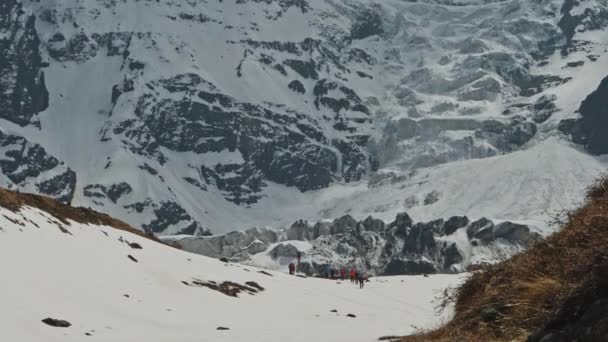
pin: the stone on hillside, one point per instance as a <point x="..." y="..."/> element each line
<point x="58" y="323"/>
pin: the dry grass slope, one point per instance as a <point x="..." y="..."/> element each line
<point x="513" y="299"/>
<point x="15" y="200"/>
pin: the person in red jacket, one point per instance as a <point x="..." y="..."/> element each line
<point x="352" y="275"/>
<point x="342" y="273"/>
<point x="292" y="268"/>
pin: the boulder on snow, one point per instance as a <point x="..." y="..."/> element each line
<point x="58" y="323"/>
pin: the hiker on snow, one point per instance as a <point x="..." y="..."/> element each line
<point x="361" y="279"/>
<point x="292" y="268"/>
<point x="342" y="273"/>
<point x="352" y="275"/>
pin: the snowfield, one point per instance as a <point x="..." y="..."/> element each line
<point x="82" y="273"/>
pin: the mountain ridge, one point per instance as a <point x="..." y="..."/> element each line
<point x="214" y="122"/>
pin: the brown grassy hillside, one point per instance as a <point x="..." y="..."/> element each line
<point x="15" y="200"/>
<point x="513" y="299"/>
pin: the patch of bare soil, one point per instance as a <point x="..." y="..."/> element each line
<point x="228" y="288"/>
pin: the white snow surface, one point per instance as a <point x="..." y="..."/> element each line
<point x="528" y="186"/>
<point x="83" y="277"/>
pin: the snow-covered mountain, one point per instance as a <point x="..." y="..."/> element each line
<point x="185" y="116"/>
<point x="67" y="266"/>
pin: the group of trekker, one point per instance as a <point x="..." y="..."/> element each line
<point x="355" y="275"/>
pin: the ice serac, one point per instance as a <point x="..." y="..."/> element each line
<point x="401" y="247"/>
<point x="186" y="117"/>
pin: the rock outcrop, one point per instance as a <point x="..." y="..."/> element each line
<point x="400" y="247"/>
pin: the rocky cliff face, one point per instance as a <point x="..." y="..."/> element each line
<point x="400" y="247"/>
<point x="24" y="92"/>
<point x="181" y="117"/>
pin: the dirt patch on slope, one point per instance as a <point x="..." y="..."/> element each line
<point x="228" y="288"/>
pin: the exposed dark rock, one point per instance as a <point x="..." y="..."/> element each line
<point x="431" y="198"/>
<point x="514" y="233"/>
<point x="403" y="220"/>
<point x="420" y="239"/>
<point x="575" y="64"/>
<point x="368" y="23"/>
<point x="222" y="328"/>
<point x="24" y="162"/>
<point x="544" y="108"/>
<point x="135" y="245"/>
<point x="454" y="223"/>
<point x="374" y="225"/>
<point x="408" y="267"/>
<point x="594" y="112"/>
<point x="171" y="214"/>
<point x="297" y="86"/>
<point x="113" y="192"/>
<point x="228" y="288"/>
<point x="306" y="69"/>
<point x="132" y="258"/>
<point x="254" y="285"/>
<point x="344" y="224"/>
<point x="480" y="229"/>
<point x="24" y="92"/>
<point x="451" y="256"/>
<point x="78" y="48"/>
<point x="575" y="129"/>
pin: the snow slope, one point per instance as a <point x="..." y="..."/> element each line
<point x="86" y="277"/>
